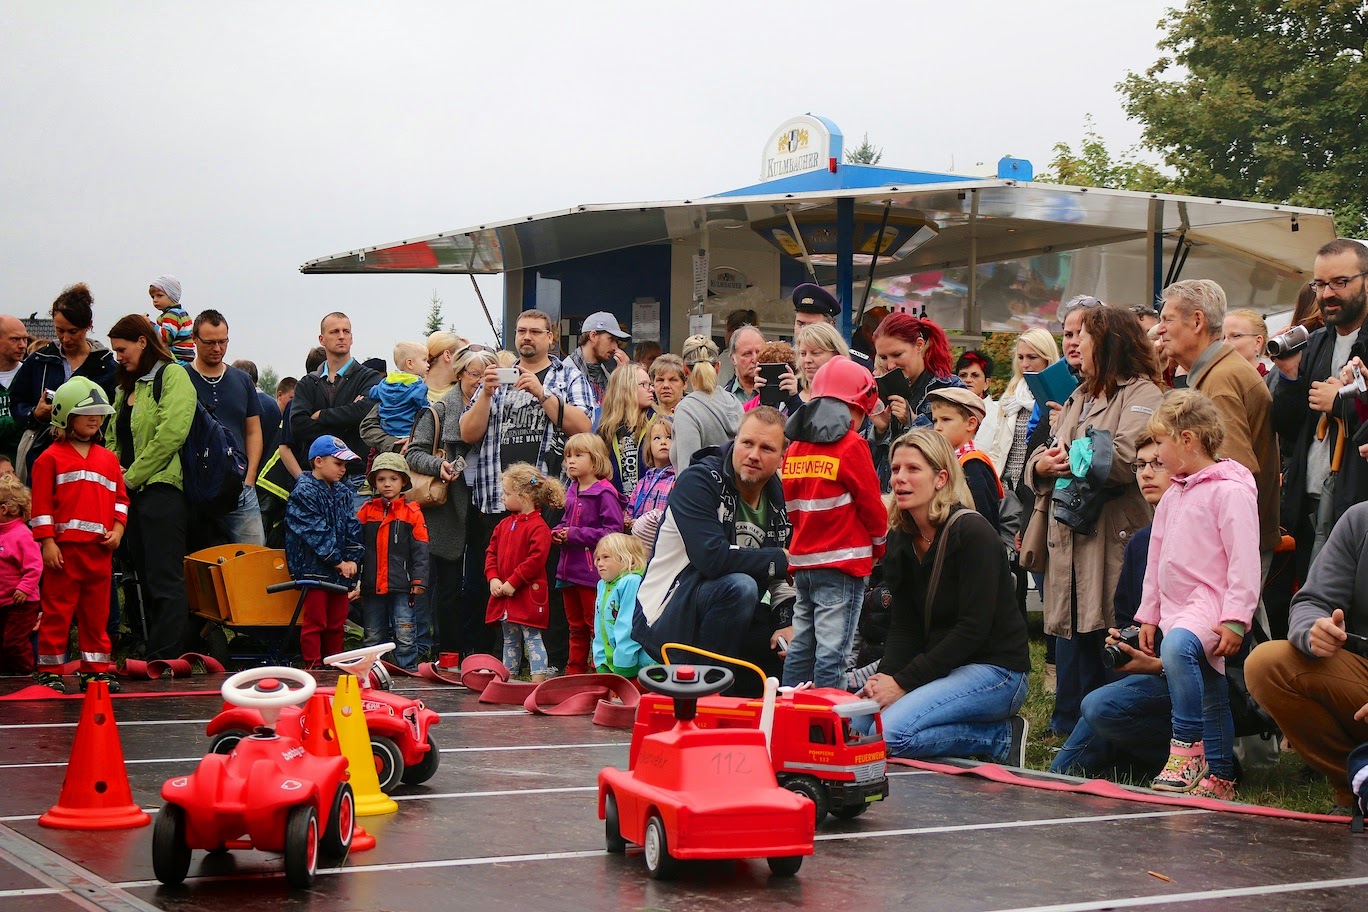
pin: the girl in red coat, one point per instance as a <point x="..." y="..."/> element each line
<point x="515" y="566"/>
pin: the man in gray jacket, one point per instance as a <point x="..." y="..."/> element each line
<point x="1315" y="683"/>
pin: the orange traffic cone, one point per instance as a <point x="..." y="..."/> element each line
<point x="320" y="739"/>
<point x="95" y="793"/>
<point x="320" y="734"/>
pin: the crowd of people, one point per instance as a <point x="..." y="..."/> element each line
<point x="865" y="520"/>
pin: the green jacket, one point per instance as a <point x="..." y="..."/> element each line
<point x="159" y="428"/>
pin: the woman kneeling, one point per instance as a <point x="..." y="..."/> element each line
<point x="954" y="672"/>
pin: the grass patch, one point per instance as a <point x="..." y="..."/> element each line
<point x="1289" y="784"/>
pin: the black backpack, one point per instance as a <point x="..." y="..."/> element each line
<point x="212" y="469"/>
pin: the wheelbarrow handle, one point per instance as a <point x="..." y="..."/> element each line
<point x="306" y="584"/>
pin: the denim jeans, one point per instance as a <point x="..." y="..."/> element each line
<point x="1201" y="700"/>
<point x="392" y="612"/>
<point x="823" y="627"/>
<point x="520" y="640"/>
<point x="964" y="714"/>
<point x="724" y="607"/>
<point x="1079" y="670"/>
<point x="243" y="526"/>
<point x="1126" y="726"/>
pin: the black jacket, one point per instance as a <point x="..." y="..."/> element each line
<point x="1295" y="424"/>
<point x="975" y="619"/>
<point x="342" y="418"/>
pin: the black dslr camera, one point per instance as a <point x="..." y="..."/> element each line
<point x="1114" y="655"/>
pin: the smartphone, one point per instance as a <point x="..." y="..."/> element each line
<point x="507" y="375"/>
<point x="770" y="393"/>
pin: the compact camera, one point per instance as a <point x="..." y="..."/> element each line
<point x="1114" y="655"/>
<point x="1357" y="388"/>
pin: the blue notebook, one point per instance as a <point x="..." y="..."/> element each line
<point x="1053" y="384"/>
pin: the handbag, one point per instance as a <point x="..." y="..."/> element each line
<point x="429" y="490"/>
<point x="1035" y="544"/>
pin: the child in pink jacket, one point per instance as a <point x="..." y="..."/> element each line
<point x="1201" y="589"/>
<point x="21" y="568"/>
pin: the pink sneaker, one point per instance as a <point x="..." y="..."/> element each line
<point x="1186" y="767"/>
<point x="1214" y="787"/>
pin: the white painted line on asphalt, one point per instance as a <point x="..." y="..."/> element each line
<point x="599" y="853"/>
<point x="1170" y="899"/>
<point x="35" y="725"/>
<point x="444" y="750"/>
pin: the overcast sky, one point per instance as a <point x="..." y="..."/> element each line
<point x="228" y="143"/>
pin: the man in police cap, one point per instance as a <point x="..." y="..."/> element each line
<point x="813" y="304"/>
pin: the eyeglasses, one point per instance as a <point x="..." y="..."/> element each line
<point x="1339" y="283"/>
<point x="212" y="343"/>
<point x="532" y="332"/>
<point x="645" y="385"/>
<point x="1153" y="465"/>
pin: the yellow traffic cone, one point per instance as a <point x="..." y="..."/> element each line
<point x="354" y="739"/>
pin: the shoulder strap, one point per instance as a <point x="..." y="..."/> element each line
<point x="436" y="430"/>
<point x="938" y="565"/>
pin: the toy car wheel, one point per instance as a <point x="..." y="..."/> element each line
<point x="225" y="741"/>
<point x="337" y="835"/>
<point x="423" y="770"/>
<point x="389" y="763"/>
<point x="301" y="846"/>
<point x="786" y="865"/>
<point x="849" y="813"/>
<point x="811" y="789"/>
<point x="660" y="864"/>
<point x="612" y="826"/>
<point x="170" y="851"/>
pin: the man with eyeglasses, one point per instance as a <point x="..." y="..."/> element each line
<point x="231" y="397"/>
<point x="529" y="421"/>
<point x="14" y="339"/>
<point x="1305" y="396"/>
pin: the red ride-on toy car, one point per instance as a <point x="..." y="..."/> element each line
<point x="268" y="794"/>
<point x="401" y="740"/>
<point x="702" y="793"/>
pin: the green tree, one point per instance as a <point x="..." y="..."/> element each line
<point x="1094" y="166"/>
<point x="267" y="380"/>
<point x="1252" y="99"/>
<point x="864" y="153"/>
<point x="434" y="316"/>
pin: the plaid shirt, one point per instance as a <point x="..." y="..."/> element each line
<point x="562" y="380"/>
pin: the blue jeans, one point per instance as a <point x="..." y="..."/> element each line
<point x="1079" y="670"/>
<point x="520" y="640"/>
<point x="243" y="526"/>
<point x="1201" y="700"/>
<point x="964" y="714"/>
<point x="823" y="627"/>
<point x="392" y="611"/>
<point x="1126" y="725"/>
<point x="723" y="608"/>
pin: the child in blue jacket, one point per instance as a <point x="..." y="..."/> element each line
<point x="323" y="542"/>
<point x="620" y="560"/>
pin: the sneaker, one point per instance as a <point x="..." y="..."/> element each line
<point x="1186" y="767"/>
<point x="1016" y="754"/>
<point x="1214" y="787"/>
<point x="110" y="681"/>
<point x="50" y="679"/>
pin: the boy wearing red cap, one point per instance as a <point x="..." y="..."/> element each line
<point x="840" y="523"/>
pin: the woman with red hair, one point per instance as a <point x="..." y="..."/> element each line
<point x="918" y="349"/>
